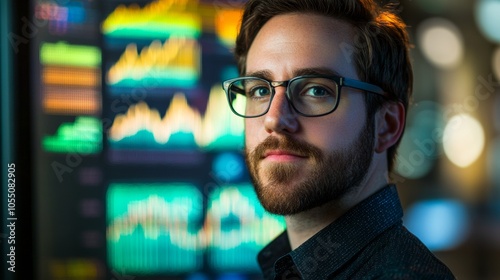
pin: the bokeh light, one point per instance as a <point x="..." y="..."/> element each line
<point x="488" y="18"/>
<point x="441" y="224"/>
<point x="441" y="42"/>
<point x="463" y="140"/>
<point x="495" y="63"/>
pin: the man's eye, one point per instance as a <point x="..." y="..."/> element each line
<point x="259" y="92"/>
<point x="317" y="92"/>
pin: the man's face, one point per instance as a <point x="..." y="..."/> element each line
<point x="298" y="163"/>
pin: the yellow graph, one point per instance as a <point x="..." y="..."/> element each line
<point x="158" y="19"/>
<point x="217" y="122"/>
<point x="177" y="59"/>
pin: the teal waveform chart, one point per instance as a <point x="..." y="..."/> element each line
<point x="163" y="228"/>
<point x="239" y="228"/>
<point x="153" y="228"/>
<point x="83" y="136"/>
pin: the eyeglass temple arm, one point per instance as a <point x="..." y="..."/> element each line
<point x="234" y="89"/>
<point x="363" y="86"/>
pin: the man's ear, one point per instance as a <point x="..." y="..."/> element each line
<point x="389" y="125"/>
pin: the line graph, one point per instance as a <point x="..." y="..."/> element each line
<point x="175" y="63"/>
<point x="158" y="19"/>
<point x="238" y="228"/>
<point x="169" y="218"/>
<point x="150" y="227"/>
<point x="181" y="127"/>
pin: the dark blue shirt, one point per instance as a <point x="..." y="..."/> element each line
<point x="367" y="242"/>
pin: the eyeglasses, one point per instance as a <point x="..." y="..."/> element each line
<point x="309" y="95"/>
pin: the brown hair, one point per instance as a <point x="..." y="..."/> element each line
<point x="380" y="49"/>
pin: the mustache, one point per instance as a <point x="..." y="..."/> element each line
<point x="286" y="143"/>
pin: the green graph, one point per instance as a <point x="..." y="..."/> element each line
<point x="83" y="136"/>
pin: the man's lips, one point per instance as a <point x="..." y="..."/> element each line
<point x="281" y="155"/>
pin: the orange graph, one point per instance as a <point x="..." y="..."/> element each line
<point x="177" y="58"/>
<point x="227" y="23"/>
<point x="218" y="121"/>
<point x="71" y="90"/>
<point x="72" y="100"/>
<point x="71" y="76"/>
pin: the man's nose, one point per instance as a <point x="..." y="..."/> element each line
<point x="281" y="117"/>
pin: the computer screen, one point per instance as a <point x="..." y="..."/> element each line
<point x="140" y="170"/>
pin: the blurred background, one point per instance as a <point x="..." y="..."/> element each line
<point x="128" y="162"/>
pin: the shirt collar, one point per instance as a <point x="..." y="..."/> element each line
<point x="337" y="243"/>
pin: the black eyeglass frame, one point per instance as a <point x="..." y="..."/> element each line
<point x="339" y="81"/>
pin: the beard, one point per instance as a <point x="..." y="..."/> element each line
<point x="329" y="177"/>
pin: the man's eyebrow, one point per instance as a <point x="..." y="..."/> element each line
<point x="267" y="75"/>
<point x="263" y="74"/>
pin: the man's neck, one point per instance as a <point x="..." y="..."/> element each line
<point x="302" y="226"/>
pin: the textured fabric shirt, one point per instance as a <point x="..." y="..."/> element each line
<point x="367" y="242"/>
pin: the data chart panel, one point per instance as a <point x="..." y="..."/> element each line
<point x="153" y="228"/>
<point x="141" y="158"/>
<point x="181" y="126"/>
<point x="239" y="228"/>
<point x="163" y="228"/>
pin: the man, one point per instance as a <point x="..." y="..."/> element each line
<point x="324" y="91"/>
